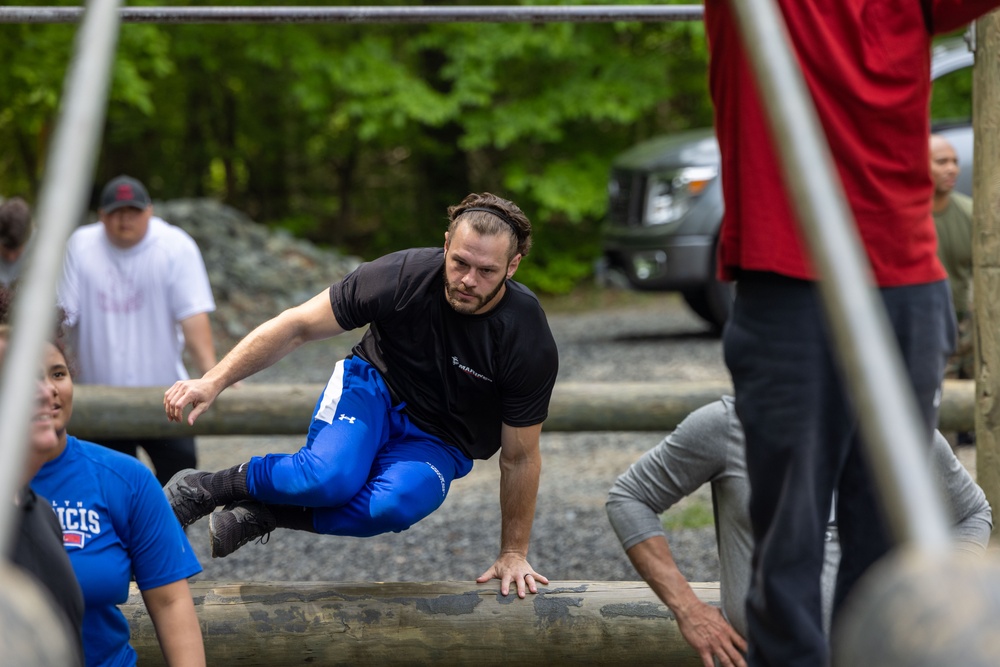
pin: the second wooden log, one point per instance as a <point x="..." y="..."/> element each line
<point x="282" y="409"/>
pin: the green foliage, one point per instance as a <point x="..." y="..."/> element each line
<point x="296" y="225"/>
<point x="360" y="136"/>
<point x="560" y="272"/>
<point x="951" y="100"/>
<point x="35" y="58"/>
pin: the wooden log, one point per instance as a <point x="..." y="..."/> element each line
<point x="958" y="405"/>
<point x="428" y="623"/>
<point x="285" y="409"/>
<point x="986" y="253"/>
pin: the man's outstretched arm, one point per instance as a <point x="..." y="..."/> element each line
<point x="262" y="347"/>
<point x="520" y="469"/>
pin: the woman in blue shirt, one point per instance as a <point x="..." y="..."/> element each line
<point x="38" y="545"/>
<point x="117" y="524"/>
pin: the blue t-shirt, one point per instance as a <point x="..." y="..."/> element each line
<point x="116" y="523"/>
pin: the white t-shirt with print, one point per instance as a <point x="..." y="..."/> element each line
<point x="124" y="306"/>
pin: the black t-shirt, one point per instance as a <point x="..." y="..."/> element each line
<point x="459" y="375"/>
<point x="39" y="550"/>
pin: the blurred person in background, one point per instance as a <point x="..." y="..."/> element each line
<point x="953" y="222"/>
<point x="16" y="234"/>
<point x="136" y="295"/>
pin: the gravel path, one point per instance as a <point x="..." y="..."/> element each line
<point x="653" y="338"/>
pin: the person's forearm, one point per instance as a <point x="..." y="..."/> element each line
<point x="655" y="563"/>
<point x="518" y="493"/>
<point x="276" y="338"/>
<point x="260" y="349"/>
<point x="172" y="611"/>
<point x="703" y="626"/>
<point x="197" y="331"/>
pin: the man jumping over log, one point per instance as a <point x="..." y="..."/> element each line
<point x="457" y="363"/>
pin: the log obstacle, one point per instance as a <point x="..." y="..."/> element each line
<point x="284" y="409"/>
<point x="428" y="623"/>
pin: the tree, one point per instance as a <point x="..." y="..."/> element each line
<point x="360" y="135"/>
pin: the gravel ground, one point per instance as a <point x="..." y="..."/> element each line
<point x="643" y="338"/>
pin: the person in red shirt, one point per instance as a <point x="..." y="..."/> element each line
<point x="867" y="65"/>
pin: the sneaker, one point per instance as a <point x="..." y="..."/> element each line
<point x="238" y="524"/>
<point x="189" y="498"/>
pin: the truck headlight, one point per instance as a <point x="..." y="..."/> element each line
<point x="670" y="194"/>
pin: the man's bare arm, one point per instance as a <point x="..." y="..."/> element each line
<point x="262" y="347"/>
<point x="520" y="469"/>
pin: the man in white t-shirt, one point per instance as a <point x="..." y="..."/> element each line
<point x="136" y="296"/>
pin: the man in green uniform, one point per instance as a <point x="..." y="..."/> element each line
<point x="953" y="220"/>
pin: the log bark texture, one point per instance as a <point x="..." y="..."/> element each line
<point x="428" y="623"/>
<point x="986" y="253"/>
<point x="284" y="409"/>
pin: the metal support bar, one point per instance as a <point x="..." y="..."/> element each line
<point x="359" y="15"/>
<point x="876" y="377"/>
<point x="61" y="201"/>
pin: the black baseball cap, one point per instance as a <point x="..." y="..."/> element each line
<point x="124" y="191"/>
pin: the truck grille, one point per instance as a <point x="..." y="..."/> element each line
<point x="625" y="197"/>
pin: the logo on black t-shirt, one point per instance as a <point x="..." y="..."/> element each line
<point x="469" y="371"/>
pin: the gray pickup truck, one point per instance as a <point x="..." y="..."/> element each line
<point x="665" y="201"/>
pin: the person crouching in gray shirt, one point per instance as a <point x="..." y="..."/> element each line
<point x="708" y="447"/>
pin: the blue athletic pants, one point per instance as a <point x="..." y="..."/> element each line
<point x="365" y="469"/>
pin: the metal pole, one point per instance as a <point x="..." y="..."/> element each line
<point x="419" y="14"/>
<point x="62" y="201"/>
<point x="876" y="377"/>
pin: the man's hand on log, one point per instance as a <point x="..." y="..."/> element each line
<point x="708" y="632"/>
<point x="513" y="568"/>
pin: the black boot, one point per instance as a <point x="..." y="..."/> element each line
<point x="239" y="523"/>
<point x="195" y="493"/>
